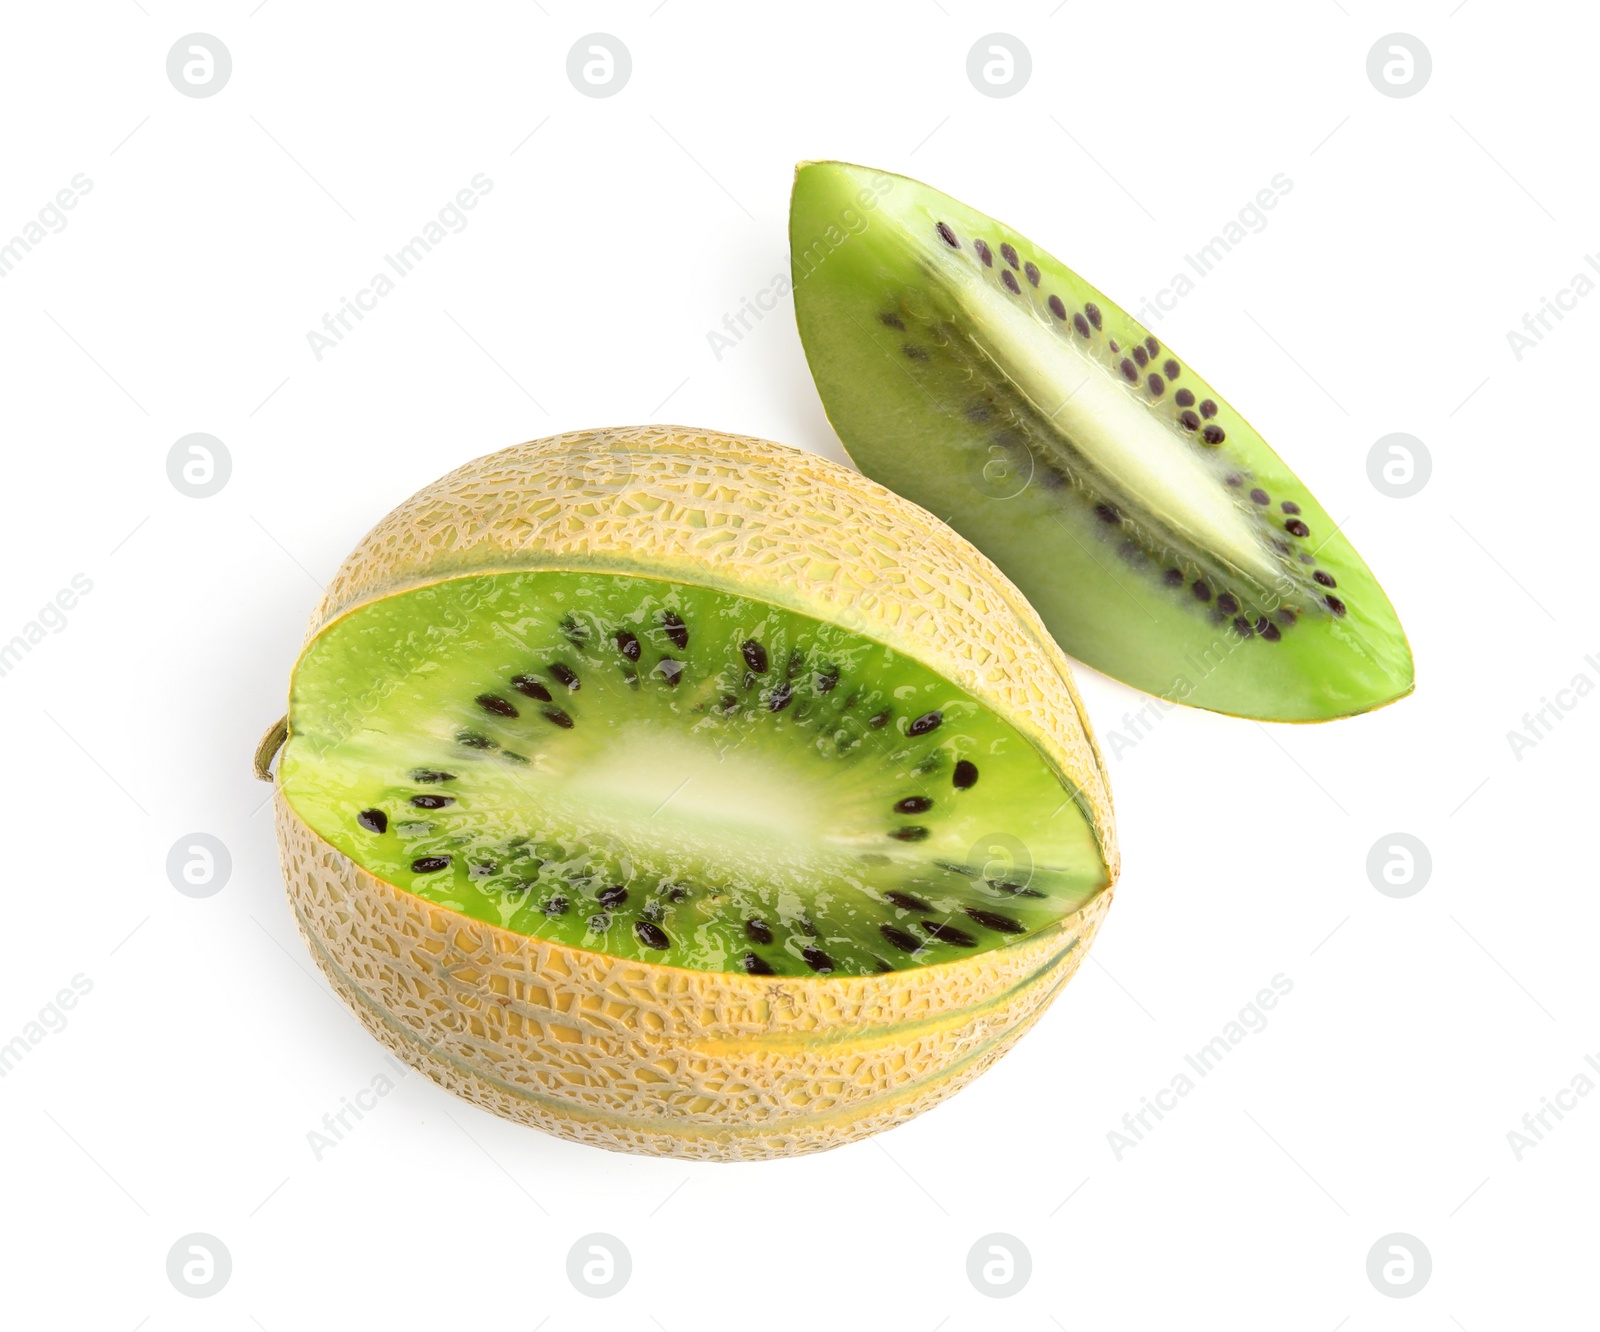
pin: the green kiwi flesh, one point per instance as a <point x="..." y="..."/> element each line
<point x="1155" y="532"/>
<point x="667" y="772"/>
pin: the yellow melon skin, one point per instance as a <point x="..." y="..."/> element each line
<point x="639" y="1057"/>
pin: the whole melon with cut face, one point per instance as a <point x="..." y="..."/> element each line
<point x="687" y="794"/>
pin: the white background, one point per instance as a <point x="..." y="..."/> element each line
<point x="219" y="230"/>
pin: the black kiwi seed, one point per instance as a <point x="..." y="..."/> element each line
<point x="816" y="959"/>
<point x="827" y="680"/>
<point x="431" y="775"/>
<point x="914" y="352"/>
<point x="651" y="936"/>
<point x="984" y="252"/>
<point x="429" y="802"/>
<point x="1010" y="279"/>
<point x="1335" y="605"/>
<point x="1188" y="420"/>
<point x="949" y="934"/>
<point x="677" y="630"/>
<point x="1172" y="368"/>
<point x="670" y="670"/>
<point x="755" y="656"/>
<point x="906" y="901"/>
<point x="1208" y="409"/>
<point x="730" y="703"/>
<point x="928" y="722"/>
<point x="1156" y="385"/>
<point x="1260" y="496"/>
<point x="805" y="927"/>
<point x="993" y="920"/>
<point x="1115" y="350"/>
<point x="1243" y="626"/>
<point x="472" y="740"/>
<point x="1182" y="397"/>
<point x="1093" y="311"/>
<point x="615" y="895"/>
<point x="758" y="931"/>
<point x="1286" y="617"/>
<point x="891" y="320"/>
<point x="1008" y="254"/>
<point x="1268" y="630"/>
<point x="564" y="674"/>
<point x="1032" y="270"/>
<point x="628" y="645"/>
<point x="756" y="966"/>
<point x="1081" y="324"/>
<point x="1140" y="355"/>
<point x="906" y="943"/>
<point x="879" y="720"/>
<point x="1227" y="602"/>
<point x="1015" y="889"/>
<point x="427" y="864"/>
<point x="948" y="236"/>
<point x="909" y="834"/>
<point x="558" y="717"/>
<point x="1173" y="578"/>
<point x="1152" y="346"/>
<point x="577" y="634"/>
<point x="795" y="664"/>
<point x="913" y="805"/>
<point x="965" y="776"/>
<point x="1213" y="435"/>
<point x="1106" y="514"/>
<point x="555" y="906"/>
<point x="1295" y="527"/>
<point x="1057" y="307"/>
<point x="1201" y="590"/>
<point x="373" y="820"/>
<point x="526" y="684"/>
<point x="1289" y="506"/>
<point x="1326" y="579"/>
<point x="780" y="697"/>
<point x="1130" y="371"/>
<point x="495" y="705"/>
<point x="1235" y="480"/>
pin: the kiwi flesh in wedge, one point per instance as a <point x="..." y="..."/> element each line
<point x="1155" y="532"/>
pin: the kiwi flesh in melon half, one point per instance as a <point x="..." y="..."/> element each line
<point x="1155" y="532"/>
<point x="733" y="808"/>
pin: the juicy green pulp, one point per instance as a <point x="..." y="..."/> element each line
<point x="706" y="804"/>
<point x="998" y="415"/>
